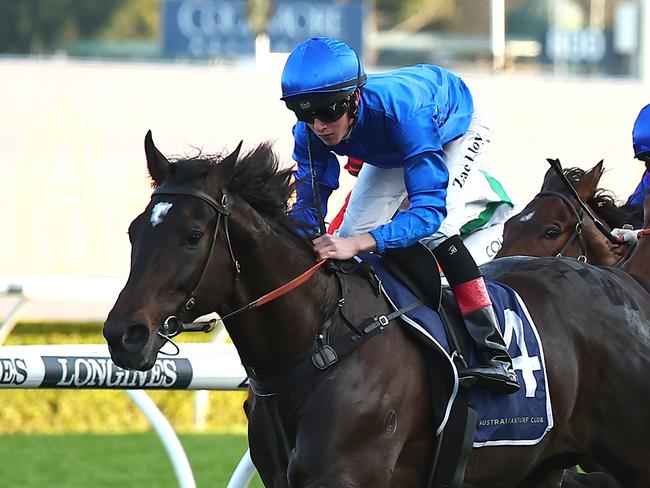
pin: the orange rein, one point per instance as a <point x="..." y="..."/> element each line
<point x="278" y="292"/>
<point x="287" y="287"/>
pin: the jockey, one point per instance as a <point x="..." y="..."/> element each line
<point x="420" y="131"/>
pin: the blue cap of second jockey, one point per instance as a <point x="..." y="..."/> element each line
<point x="321" y="68"/>
<point x="641" y="132"/>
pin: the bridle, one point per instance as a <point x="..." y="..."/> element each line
<point x="577" y="231"/>
<point x="173" y="325"/>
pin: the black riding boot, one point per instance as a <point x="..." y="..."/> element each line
<point x="494" y="366"/>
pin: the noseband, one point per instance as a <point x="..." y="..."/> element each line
<point x="173" y="325"/>
<point x="577" y="232"/>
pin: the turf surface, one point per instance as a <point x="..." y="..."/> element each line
<point x="121" y="460"/>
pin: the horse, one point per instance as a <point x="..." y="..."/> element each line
<point x="216" y="237"/>
<point x="553" y="223"/>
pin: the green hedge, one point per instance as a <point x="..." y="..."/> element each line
<point x="103" y="411"/>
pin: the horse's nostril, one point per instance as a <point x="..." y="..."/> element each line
<point x="135" y="337"/>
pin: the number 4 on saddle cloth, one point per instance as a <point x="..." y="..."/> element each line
<point x="522" y="418"/>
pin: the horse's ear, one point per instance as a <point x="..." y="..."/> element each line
<point x="588" y="184"/>
<point x="548" y="177"/>
<point x="158" y="165"/>
<point x="227" y="165"/>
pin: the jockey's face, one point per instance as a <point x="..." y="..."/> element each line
<point x="332" y="133"/>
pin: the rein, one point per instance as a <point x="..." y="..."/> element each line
<point x="577" y="232"/>
<point x="643" y="233"/>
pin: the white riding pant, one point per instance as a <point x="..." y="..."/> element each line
<point x="379" y="192"/>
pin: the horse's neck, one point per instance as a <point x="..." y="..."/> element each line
<point x="598" y="252"/>
<point x="277" y="334"/>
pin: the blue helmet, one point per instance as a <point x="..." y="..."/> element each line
<point x="641" y="132"/>
<point x="321" y="67"/>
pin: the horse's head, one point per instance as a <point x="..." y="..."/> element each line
<point x="183" y="258"/>
<point x="553" y="223"/>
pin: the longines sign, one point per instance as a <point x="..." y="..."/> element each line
<point x="78" y="366"/>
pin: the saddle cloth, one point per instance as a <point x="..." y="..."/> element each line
<point x="522" y="418"/>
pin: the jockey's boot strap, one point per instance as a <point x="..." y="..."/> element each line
<point x="494" y="366"/>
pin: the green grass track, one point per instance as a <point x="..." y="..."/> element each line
<point x="114" y="460"/>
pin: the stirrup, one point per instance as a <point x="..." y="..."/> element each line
<point x="502" y="383"/>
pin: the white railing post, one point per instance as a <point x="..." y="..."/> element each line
<point x="243" y="473"/>
<point x="166" y="433"/>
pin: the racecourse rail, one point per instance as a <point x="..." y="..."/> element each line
<point x="197" y="367"/>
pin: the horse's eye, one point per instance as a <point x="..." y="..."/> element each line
<point x="194" y="237"/>
<point x="552" y="233"/>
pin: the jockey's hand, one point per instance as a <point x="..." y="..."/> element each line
<point x="626" y="237"/>
<point x="328" y="246"/>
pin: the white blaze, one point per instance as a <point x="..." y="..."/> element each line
<point x="527" y="217"/>
<point x="159" y="211"/>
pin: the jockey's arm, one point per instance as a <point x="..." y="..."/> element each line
<point x="426" y="177"/>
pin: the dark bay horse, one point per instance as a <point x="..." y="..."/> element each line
<point x="553" y="223"/>
<point x="215" y="238"/>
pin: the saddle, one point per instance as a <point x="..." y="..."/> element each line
<point x="417" y="268"/>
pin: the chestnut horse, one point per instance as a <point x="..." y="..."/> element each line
<point x="215" y="237"/>
<point x="554" y="224"/>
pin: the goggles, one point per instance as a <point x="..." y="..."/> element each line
<point x="306" y="112"/>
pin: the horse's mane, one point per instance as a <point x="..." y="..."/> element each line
<point x="260" y="181"/>
<point x="604" y="203"/>
<point x="257" y="178"/>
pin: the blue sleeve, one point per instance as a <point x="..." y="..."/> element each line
<point x="642" y="190"/>
<point x="426" y="178"/>
<point x="326" y="167"/>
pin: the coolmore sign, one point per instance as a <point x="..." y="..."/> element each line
<point x="214" y="28"/>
